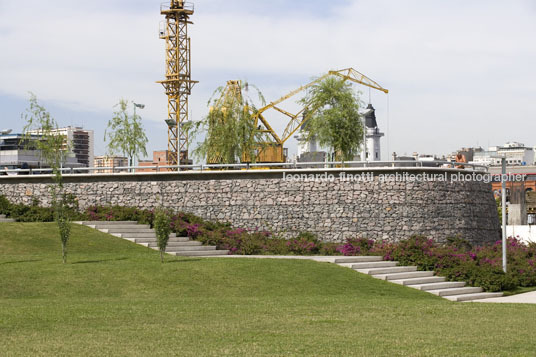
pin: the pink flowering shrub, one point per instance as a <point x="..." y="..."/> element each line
<point x="478" y="266"/>
<point x="359" y="246"/>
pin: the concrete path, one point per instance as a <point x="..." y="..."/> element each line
<point x="526" y="298"/>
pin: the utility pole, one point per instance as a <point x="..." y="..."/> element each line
<point x="503" y="209"/>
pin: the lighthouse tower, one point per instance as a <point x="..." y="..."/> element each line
<point x="372" y="136"/>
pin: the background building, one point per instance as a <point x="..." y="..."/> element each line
<point x="160" y="158"/>
<point x="15" y="153"/>
<point x="80" y="141"/>
<point x="109" y="162"/>
<point x="516" y="154"/>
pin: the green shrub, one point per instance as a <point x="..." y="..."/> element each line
<point x="5" y="205"/>
<point x="305" y="243"/>
<point x="119" y="213"/>
<point x="277" y="246"/>
<point x="162" y="227"/>
<point x="23" y="213"/>
<point x="330" y="249"/>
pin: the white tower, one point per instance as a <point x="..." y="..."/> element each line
<point x="372" y="136"/>
<point x="305" y="146"/>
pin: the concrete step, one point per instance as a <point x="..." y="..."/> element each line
<point x="456" y="291"/>
<point x="437" y="286"/>
<point x="407" y="275"/>
<point x="122" y="226"/>
<point x="135" y="235"/>
<point x="152" y="240"/>
<point x="127" y="230"/>
<point x="369" y="265"/>
<point x="201" y="253"/>
<point x="111" y="223"/>
<point x="359" y="259"/>
<point x="473" y="297"/>
<point x="189" y="248"/>
<point x="415" y="281"/>
<point x="377" y="271"/>
<point x="7" y="220"/>
<point x="191" y="243"/>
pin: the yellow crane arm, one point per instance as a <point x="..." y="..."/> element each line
<point x="296" y="121"/>
<point x="351" y="74"/>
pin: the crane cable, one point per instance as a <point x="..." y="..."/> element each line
<point x="388" y="133"/>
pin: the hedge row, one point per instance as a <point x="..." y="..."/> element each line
<point x="457" y="260"/>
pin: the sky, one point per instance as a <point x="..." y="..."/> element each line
<point x="460" y="73"/>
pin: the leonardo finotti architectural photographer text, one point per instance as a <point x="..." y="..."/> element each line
<point x="404" y="177"/>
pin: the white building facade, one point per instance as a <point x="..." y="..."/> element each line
<point x="80" y="141"/>
<point x="516" y="154"/>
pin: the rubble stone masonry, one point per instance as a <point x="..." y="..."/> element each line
<point x="319" y="201"/>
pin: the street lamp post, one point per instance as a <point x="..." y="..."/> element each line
<point x="503" y="210"/>
<point x="136" y="105"/>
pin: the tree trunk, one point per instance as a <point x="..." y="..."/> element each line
<point x="161" y="256"/>
<point x="64" y="252"/>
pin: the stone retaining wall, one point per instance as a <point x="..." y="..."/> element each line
<point x="333" y="209"/>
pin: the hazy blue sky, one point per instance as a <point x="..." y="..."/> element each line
<point x="460" y="73"/>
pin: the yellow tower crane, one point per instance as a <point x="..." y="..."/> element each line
<point x="178" y="83"/>
<point x="272" y="151"/>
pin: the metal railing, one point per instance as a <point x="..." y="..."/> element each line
<point x="186" y="6"/>
<point x="333" y="165"/>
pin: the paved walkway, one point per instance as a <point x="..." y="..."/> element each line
<point x="526" y="298"/>
<point x="318" y="258"/>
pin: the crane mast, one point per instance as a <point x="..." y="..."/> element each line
<point x="178" y="83"/>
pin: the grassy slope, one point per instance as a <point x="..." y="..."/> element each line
<point x="115" y="298"/>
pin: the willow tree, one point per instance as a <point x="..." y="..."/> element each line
<point x="41" y="134"/>
<point x="125" y="133"/>
<point x="335" y="121"/>
<point x="230" y="134"/>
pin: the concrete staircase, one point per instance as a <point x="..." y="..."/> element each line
<point x="410" y="277"/>
<point x="142" y="234"/>
<point x="4" y="219"/>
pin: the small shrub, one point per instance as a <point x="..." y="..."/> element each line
<point x="162" y="226"/>
<point x="329" y="249"/>
<point x="277" y="246"/>
<point x="5" y="205"/>
<point x="119" y="213"/>
<point x="359" y="246"/>
<point x="304" y="244"/>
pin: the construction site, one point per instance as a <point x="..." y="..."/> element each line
<point x="264" y="145"/>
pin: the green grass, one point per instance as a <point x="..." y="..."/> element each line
<point x="116" y="298"/>
<point x="519" y="290"/>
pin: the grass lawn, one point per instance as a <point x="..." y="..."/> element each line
<point x="116" y="298"/>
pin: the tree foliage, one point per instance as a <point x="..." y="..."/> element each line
<point x="125" y="133"/>
<point x="53" y="149"/>
<point x="162" y="226"/>
<point x="335" y="121"/>
<point x="230" y="132"/>
<point x="40" y="134"/>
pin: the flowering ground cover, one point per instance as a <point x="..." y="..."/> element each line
<point x="457" y="260"/>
